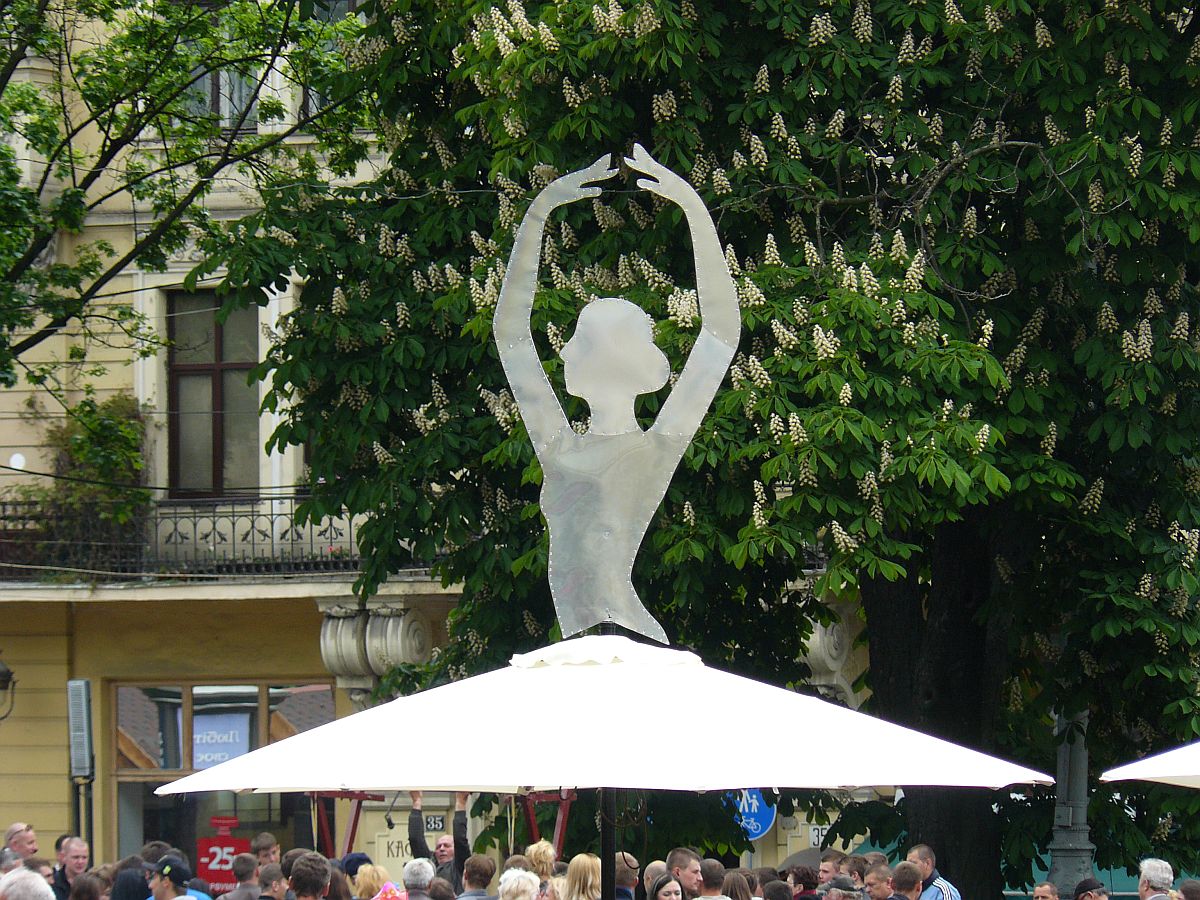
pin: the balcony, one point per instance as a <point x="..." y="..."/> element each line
<point x="207" y="539"/>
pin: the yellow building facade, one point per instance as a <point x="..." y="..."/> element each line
<point x="210" y="622"/>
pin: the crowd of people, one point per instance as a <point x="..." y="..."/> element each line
<point x="451" y="872"/>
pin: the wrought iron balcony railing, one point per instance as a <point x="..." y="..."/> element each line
<point x="45" y="541"/>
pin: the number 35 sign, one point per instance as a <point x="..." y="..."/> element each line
<point x="215" y="855"/>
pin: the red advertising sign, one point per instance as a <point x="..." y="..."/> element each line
<point x="215" y="860"/>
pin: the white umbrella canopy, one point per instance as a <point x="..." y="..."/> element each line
<point x="1180" y="767"/>
<point x="588" y="682"/>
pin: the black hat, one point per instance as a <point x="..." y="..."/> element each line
<point x="1087" y="885"/>
<point x="171" y="867"/>
<point x="351" y="863"/>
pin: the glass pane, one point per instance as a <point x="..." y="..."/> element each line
<point x="148" y="732"/>
<point x="297" y="708"/>
<point x="194" y="422"/>
<point x="242" y="445"/>
<point x="143" y="816"/>
<point x="239" y="336"/>
<point x="198" y="97"/>
<point x="193" y="326"/>
<point x="224" y="723"/>
<point x="185" y="821"/>
<point x="237" y="92"/>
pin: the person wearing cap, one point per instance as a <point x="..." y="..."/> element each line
<point x="1090" y="889"/>
<point x="168" y="878"/>
<point x="21" y="839"/>
<point x="352" y="862"/>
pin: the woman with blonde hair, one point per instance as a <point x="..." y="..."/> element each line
<point x="369" y="880"/>
<point x="583" y="878"/>
<point x="541" y="858"/>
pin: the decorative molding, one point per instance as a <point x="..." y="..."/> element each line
<point x="359" y="645"/>
<point x="397" y="636"/>
<point x="342" y="648"/>
<point x="827" y="654"/>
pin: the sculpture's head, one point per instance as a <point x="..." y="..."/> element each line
<point x="612" y="357"/>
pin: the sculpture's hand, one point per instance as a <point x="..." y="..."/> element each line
<point x="662" y="181"/>
<point x="574" y="186"/>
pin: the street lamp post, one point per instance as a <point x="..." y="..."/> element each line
<point x="1070" y="850"/>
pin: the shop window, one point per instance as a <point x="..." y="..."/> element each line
<point x="149" y="735"/>
<point x="213" y="438"/>
<point x="224" y="723"/>
<point x="164" y="732"/>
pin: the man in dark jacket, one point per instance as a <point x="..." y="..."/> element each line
<point x="477" y="875"/>
<point x="75" y="863"/>
<point x="450" y="853"/>
<point x="245" y="872"/>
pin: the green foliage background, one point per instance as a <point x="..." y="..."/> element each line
<point x="963" y="235"/>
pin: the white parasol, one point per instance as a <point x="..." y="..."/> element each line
<point x="592" y="683"/>
<point x="1180" y="767"/>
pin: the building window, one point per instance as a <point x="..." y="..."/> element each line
<point x="226" y="92"/>
<point x="312" y="101"/>
<point x="213" y="439"/>
<point x="166" y="731"/>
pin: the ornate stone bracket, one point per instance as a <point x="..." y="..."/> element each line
<point x="358" y="645"/>
<point x="828" y="654"/>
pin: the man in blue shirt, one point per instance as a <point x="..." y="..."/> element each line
<point x="933" y="885"/>
<point x="627" y="875"/>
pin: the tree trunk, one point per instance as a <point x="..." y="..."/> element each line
<point x="938" y="659"/>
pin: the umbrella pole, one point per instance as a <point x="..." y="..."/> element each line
<point x="606" y="800"/>
<point x="608" y="844"/>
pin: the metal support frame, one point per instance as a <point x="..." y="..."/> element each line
<point x="325" y="828"/>
<point x="564" y="798"/>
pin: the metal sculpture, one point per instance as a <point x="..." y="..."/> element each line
<point x="601" y="488"/>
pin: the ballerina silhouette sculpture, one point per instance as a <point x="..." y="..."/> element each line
<point x="601" y="488"/>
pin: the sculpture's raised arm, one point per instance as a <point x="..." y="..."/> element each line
<point x="540" y="409"/>
<point x="719" y="315"/>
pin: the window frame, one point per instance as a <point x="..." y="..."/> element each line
<point x="216" y="371"/>
<point x="308" y="97"/>
<point x="187" y="688"/>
